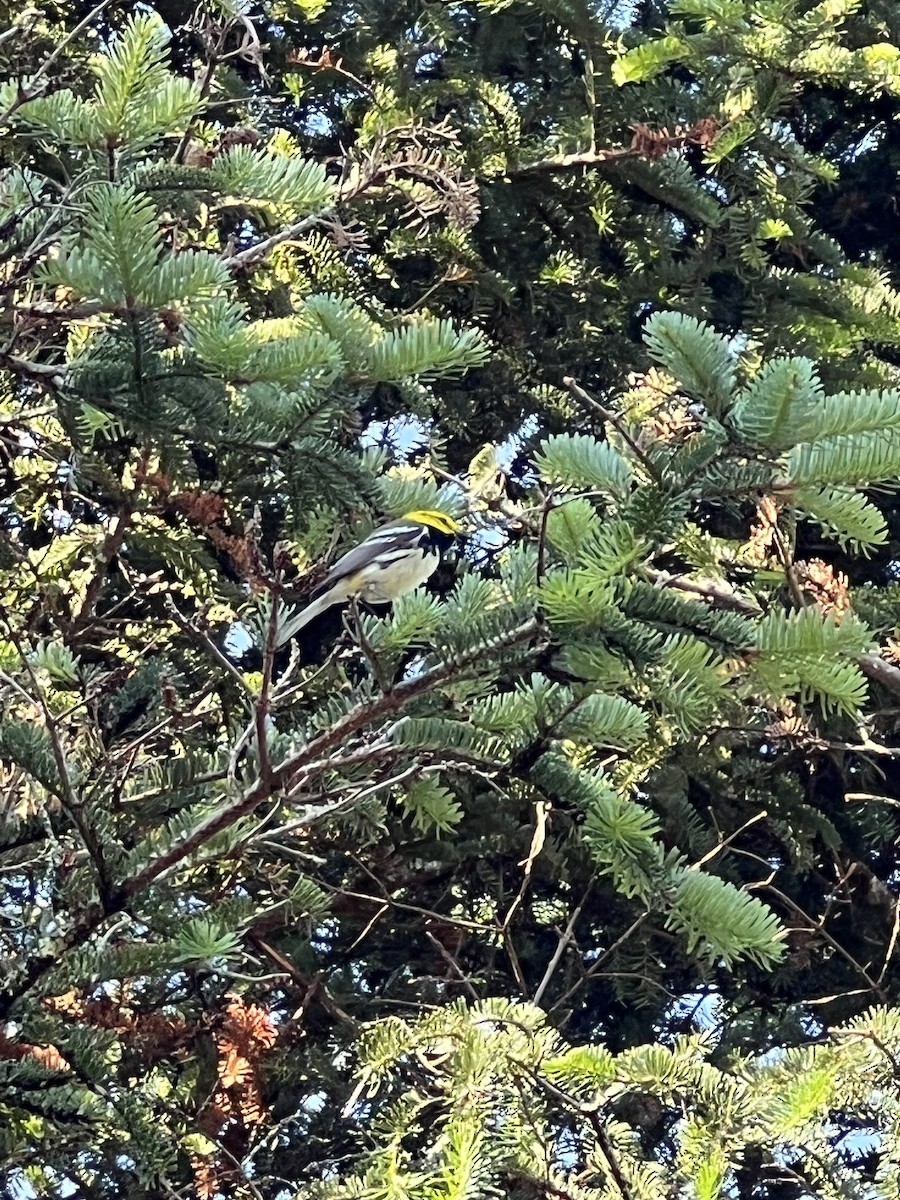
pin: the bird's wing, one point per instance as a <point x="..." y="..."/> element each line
<point x="403" y="534"/>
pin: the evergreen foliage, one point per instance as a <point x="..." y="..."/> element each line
<point x="575" y="873"/>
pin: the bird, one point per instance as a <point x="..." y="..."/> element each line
<point x="391" y="561"/>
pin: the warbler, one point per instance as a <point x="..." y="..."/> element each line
<point x="391" y="561"/>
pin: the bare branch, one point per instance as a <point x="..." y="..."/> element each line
<point x="254" y="254"/>
<point x="49" y="375"/>
<point x="38" y="81"/>
<point x="720" y="594"/>
<point x="881" y="671"/>
<point x="565" y="939"/>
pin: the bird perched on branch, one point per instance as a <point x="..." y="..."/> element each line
<point x="391" y="561"/>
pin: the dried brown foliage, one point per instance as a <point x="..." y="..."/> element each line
<point x="236" y="1105"/>
<point x="654" y="143"/>
<point x="829" y="590"/>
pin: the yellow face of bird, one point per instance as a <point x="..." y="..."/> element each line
<point x="435" y="520"/>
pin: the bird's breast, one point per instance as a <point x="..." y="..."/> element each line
<point x="402" y="572"/>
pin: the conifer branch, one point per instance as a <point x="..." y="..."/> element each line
<point x="302" y="766"/>
<point x="871" y="664"/>
<point x="642" y="683"/>
<point x="113" y="541"/>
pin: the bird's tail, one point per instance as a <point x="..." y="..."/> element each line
<point x="300" y="620"/>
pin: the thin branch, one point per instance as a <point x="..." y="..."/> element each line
<point x="720" y="594"/>
<point x="387" y="898"/>
<point x="541" y="813"/>
<point x="29" y="93"/>
<point x="354" y="626"/>
<point x="68" y="795"/>
<point x="895" y="930"/>
<point x="546" y="509"/>
<point x="649" y="466"/>
<point x="46" y="310"/>
<point x="370" y="925"/>
<point x="49" y="375"/>
<point x="254" y="254"/>
<point x="312" y="987"/>
<point x="262" y="703"/>
<point x="353" y="800"/>
<point x="595" y="966"/>
<point x="881" y="671"/>
<point x="787" y="561"/>
<point x="209" y="646"/>
<point x="454" y="966"/>
<point x="720" y="846"/>
<point x="646" y="143"/>
<point x="203" y="91"/>
<point x="560" y="163"/>
<point x="819" y="927"/>
<point x="565" y="939"/>
<point x="513" y="956"/>
<point x="326" y="63"/>
<point x="869" y="1035"/>
<point x="595" y="1120"/>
